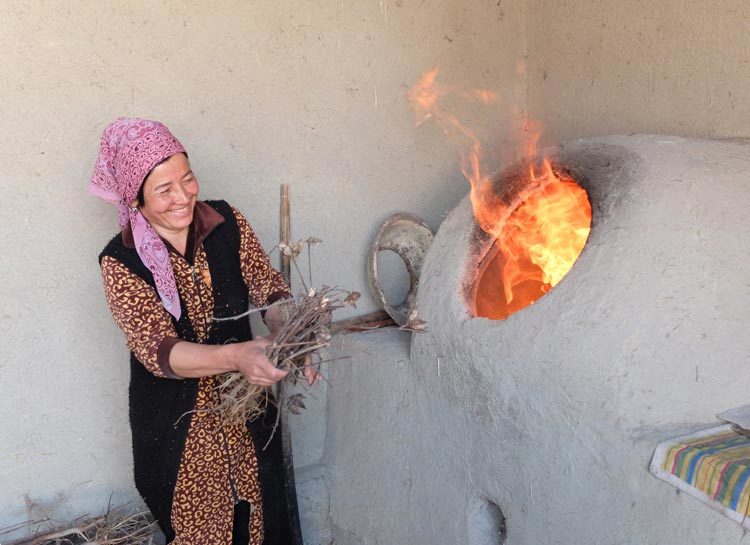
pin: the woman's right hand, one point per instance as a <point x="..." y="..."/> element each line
<point x="249" y="358"/>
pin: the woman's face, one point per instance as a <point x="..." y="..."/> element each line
<point x="169" y="195"/>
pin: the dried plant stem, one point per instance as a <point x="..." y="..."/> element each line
<point x="309" y="262"/>
<point x="301" y="278"/>
<point x="250" y="311"/>
<point x="111" y="528"/>
<point x="275" y="423"/>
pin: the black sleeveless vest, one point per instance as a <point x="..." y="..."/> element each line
<point x="160" y="407"/>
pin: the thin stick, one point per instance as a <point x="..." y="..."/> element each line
<point x="251" y="311"/>
<point x="309" y="263"/>
<point x="285" y="235"/>
<point x="302" y="278"/>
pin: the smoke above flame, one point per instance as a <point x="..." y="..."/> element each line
<point x="537" y="238"/>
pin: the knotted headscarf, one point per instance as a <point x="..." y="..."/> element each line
<point x="129" y="150"/>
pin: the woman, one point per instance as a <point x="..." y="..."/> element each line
<point x="177" y="264"/>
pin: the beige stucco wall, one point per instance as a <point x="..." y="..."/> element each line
<point x="309" y="93"/>
<point x="624" y="66"/>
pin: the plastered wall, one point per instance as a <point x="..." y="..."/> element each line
<point x="308" y="93"/>
<point x="600" y="67"/>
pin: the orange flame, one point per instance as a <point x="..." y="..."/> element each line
<point x="536" y="241"/>
<point x="425" y="96"/>
<point x="535" y="246"/>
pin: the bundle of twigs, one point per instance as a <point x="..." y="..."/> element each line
<point x="112" y="528"/>
<point x="306" y="330"/>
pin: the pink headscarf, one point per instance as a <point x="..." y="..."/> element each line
<point x="130" y="148"/>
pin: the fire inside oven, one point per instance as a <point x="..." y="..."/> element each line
<point x="534" y="241"/>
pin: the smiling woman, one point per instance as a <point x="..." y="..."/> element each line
<point x="177" y="264"/>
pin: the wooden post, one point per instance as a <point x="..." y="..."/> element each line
<point x="285" y="235"/>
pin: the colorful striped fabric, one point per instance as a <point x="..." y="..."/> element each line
<point x="713" y="465"/>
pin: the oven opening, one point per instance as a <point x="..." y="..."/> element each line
<point x="532" y="245"/>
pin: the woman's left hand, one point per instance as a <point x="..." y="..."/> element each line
<point x="311" y="374"/>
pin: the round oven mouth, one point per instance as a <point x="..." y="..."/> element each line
<point x="533" y="243"/>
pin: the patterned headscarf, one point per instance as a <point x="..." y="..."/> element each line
<point x="130" y="148"/>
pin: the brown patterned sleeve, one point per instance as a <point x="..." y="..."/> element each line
<point x="138" y="312"/>
<point x="264" y="283"/>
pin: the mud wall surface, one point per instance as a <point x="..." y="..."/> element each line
<point x="619" y="67"/>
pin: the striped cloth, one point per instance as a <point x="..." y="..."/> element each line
<point x="712" y="465"/>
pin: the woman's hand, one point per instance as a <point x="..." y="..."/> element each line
<point x="249" y="358"/>
<point x="311" y="374"/>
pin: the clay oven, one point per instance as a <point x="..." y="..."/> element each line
<point x="553" y="412"/>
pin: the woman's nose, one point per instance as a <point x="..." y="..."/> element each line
<point x="186" y="192"/>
